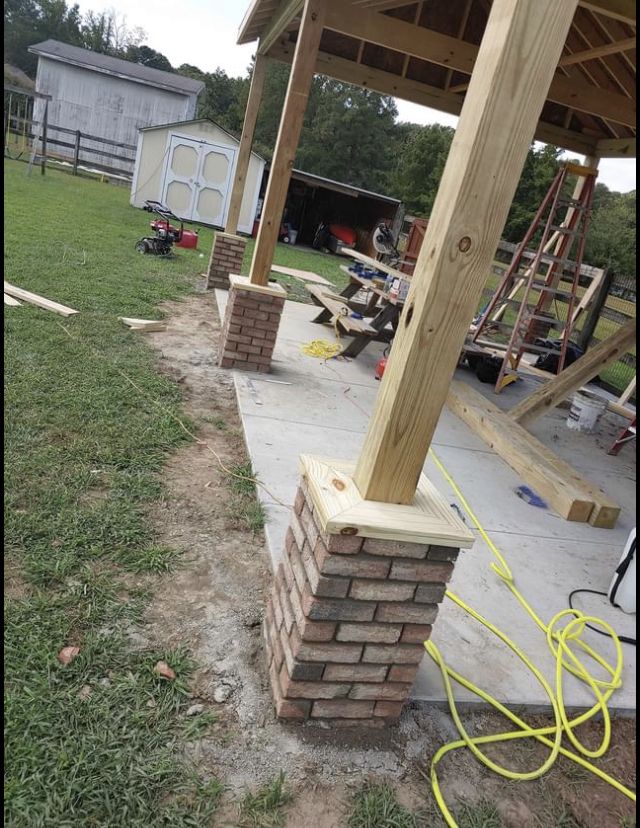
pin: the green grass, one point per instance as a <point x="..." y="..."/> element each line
<point x="83" y="452"/>
<point x="376" y="806"/>
<point x="265" y="808"/>
<point x="244" y="507"/>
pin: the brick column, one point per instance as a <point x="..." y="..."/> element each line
<point x="226" y="257"/>
<point x="348" y="614"/>
<point x="250" y="326"/>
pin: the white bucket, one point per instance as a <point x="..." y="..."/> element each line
<point x="586" y="409"/>
<point x="293" y="236"/>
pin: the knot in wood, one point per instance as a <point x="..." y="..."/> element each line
<point x="349" y="530"/>
<point x="464" y="244"/>
<point x="338" y="484"/>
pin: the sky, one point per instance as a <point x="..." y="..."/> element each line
<point x="203" y="33"/>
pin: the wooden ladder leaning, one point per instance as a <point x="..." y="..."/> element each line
<point x="563" y="222"/>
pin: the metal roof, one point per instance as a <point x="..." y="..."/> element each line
<point x="347" y="189"/>
<point x="591" y="99"/>
<point x="136" y="72"/>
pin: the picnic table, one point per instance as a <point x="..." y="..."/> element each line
<point x="379" y="315"/>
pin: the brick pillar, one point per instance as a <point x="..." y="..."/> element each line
<point x="226" y="258"/>
<point x="347" y="617"/>
<point x="250" y="326"/>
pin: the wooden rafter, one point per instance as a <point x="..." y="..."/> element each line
<point x="420" y="93"/>
<point x="450" y="52"/>
<point x="598" y="51"/>
<point x="286" y="12"/>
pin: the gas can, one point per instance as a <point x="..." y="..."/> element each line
<point x="189" y="238"/>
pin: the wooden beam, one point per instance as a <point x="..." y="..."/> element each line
<point x="450" y="52"/>
<point x="599" y="51"/>
<point x="295" y="104"/>
<point x="11" y="302"/>
<point x="596" y="359"/>
<point x="516" y="62"/>
<point x="39" y="301"/>
<point x="623" y="10"/>
<point x="246" y="142"/>
<point x="286" y="12"/>
<point x="626" y="394"/>
<point x="616" y="147"/>
<point x="386" y="83"/>
<point x="568" y="494"/>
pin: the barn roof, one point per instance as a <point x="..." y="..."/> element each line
<point x="97" y="62"/>
<point x="425" y="51"/>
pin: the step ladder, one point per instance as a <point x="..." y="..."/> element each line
<point x="532" y="287"/>
<point x="627" y="434"/>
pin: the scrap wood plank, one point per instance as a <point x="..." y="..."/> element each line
<point x="374" y="263"/>
<point x="303" y="275"/>
<point x="569" y="494"/>
<point x="340" y="310"/>
<point x="574" y="377"/>
<point x="39" y="301"/>
<point x="143" y="324"/>
<point x="9" y="300"/>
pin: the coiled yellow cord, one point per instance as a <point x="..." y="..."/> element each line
<point x="561" y="640"/>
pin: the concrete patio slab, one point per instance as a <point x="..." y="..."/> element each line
<point x="310" y="406"/>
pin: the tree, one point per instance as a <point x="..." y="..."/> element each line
<point x="107" y="33"/>
<point x="611" y="240"/>
<point x="146" y="56"/>
<point x="30" y="21"/>
<point x="540" y="167"/>
<point x="422" y="153"/>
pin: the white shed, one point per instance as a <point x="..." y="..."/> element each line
<point x="189" y="166"/>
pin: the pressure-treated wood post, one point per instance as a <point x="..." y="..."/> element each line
<point x="593" y="314"/>
<point x="246" y="141"/>
<point x="516" y="62"/>
<point x="295" y="104"/>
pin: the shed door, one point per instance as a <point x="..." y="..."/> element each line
<point x="198" y="180"/>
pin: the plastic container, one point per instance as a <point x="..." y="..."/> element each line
<point x="622" y="591"/>
<point x="293" y="236"/>
<point x="188" y="239"/>
<point x="586" y="409"/>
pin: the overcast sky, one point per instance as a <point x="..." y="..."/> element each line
<point x="203" y="33"/>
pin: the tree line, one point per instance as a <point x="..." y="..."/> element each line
<point x="350" y="134"/>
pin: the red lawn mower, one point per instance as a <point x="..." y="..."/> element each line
<point x="166" y="234"/>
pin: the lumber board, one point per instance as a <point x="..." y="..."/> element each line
<point x="566" y="491"/>
<point x="303" y="275"/>
<point x="551" y="394"/>
<point x="39" y="301"/>
<point x="520" y="49"/>
<point x="143" y="324"/>
<point x="341" y="508"/>
<point x="336" y="306"/>
<point x="9" y="300"/>
<point x="374" y="263"/>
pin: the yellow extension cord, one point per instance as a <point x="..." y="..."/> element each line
<point x="560" y="641"/>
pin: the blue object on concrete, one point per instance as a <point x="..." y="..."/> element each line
<point x="530" y="497"/>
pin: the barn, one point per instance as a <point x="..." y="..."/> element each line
<point x="107" y="98"/>
<point x="189" y="166"/>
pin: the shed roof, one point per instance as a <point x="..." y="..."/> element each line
<point x="425" y="52"/>
<point x="347" y="189"/>
<point x="97" y="62"/>
<point x="196" y="121"/>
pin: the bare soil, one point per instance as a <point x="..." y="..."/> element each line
<point x="213" y="605"/>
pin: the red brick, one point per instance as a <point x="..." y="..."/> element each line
<point x="342" y="709"/>
<point x="360" y="566"/>
<point x="327" y="609"/>
<point x="237" y="338"/>
<point x="298" y="569"/>
<point x="430" y="593"/>
<point x="298" y="531"/>
<point x="288" y="617"/>
<point x="395" y="549"/>
<point x="249" y="349"/>
<point x="322" y="585"/>
<point x="415" y="633"/>
<point x="226" y="362"/>
<point x="320" y="651"/>
<point x="275" y="643"/>
<point x="296" y="604"/>
<point x="407" y="613"/>
<point x="403" y="672"/>
<point x="371" y="633"/>
<point x="443" y="553"/>
<point x="387" y="709"/>
<point x="311" y="689"/>
<point x="316" y="630"/>
<point x="230" y="347"/>
<point x="342" y="544"/>
<point x="309" y="526"/>
<point x="355" y="672"/>
<point x="392" y="654"/>
<point x="381" y="591"/>
<point x="421" y="571"/>
<point x="389" y="691"/>
<point x="277" y="613"/>
<point x="286" y="709"/>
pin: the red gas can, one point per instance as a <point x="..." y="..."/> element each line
<point x="188" y="238"/>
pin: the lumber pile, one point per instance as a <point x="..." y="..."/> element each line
<point x="569" y="494"/>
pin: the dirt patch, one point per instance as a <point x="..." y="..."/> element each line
<point x="213" y="605"/>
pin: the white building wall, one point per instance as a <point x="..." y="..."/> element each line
<point x="105" y="106"/>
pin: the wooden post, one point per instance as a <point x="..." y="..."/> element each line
<point x="574" y="377"/>
<point x="45" y="118"/>
<point x="628" y="392"/>
<point x="514" y="68"/>
<point x="295" y="104"/>
<point x="593" y="315"/>
<point x="76" y="152"/>
<point x="246" y="141"/>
